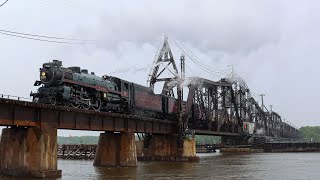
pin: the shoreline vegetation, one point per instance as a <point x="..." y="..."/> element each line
<point x="95" y="139"/>
<point x="310" y="134"/>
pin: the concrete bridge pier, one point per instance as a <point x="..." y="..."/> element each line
<point x="29" y="151"/>
<point x="116" y="149"/>
<point x="165" y="148"/>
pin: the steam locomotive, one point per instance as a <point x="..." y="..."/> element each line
<point x="77" y="88"/>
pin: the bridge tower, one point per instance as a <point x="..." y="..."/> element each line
<point x="164" y="62"/>
<point x="174" y="147"/>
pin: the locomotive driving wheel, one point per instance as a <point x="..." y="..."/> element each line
<point x="66" y="104"/>
<point x="85" y="101"/>
<point x="75" y="104"/>
<point x="74" y="101"/>
<point x="96" y="105"/>
<point x="85" y="105"/>
<point x="53" y="101"/>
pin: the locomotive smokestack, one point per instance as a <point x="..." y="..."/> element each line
<point x="57" y="62"/>
<point x="84" y="71"/>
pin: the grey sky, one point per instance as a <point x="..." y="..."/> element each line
<point x="273" y="43"/>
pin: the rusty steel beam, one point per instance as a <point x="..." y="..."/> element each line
<point x="221" y="108"/>
<point x="212" y="108"/>
<point x="29" y="114"/>
<point x="215" y="133"/>
<point x="206" y="113"/>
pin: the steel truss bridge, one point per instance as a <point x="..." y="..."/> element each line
<point x="224" y="108"/>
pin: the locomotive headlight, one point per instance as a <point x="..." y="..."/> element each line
<point x="43" y="76"/>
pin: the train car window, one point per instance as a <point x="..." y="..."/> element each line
<point x="125" y="87"/>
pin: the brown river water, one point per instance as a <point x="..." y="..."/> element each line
<point x="271" y="166"/>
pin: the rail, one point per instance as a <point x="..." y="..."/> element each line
<point x="19" y="98"/>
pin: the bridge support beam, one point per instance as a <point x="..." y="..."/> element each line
<point x="230" y="140"/>
<point x="234" y="140"/>
<point x="166" y="148"/>
<point x="116" y="149"/>
<point x="29" y="152"/>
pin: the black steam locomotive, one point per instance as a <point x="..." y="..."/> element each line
<point x="77" y="88"/>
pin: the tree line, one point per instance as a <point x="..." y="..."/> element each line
<point x="95" y="139"/>
<point x="311" y="133"/>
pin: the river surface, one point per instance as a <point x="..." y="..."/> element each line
<point x="272" y="166"/>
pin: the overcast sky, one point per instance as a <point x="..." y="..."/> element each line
<point x="273" y="43"/>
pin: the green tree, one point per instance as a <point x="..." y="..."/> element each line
<point x="311" y="133"/>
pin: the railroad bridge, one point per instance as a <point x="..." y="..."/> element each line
<point x="224" y="108"/>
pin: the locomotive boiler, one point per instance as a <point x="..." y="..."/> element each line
<point x="77" y="88"/>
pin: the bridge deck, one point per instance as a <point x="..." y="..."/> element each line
<point x="22" y="113"/>
<point x="30" y="114"/>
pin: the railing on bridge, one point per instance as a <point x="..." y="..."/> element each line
<point x="22" y="113"/>
<point x="19" y="98"/>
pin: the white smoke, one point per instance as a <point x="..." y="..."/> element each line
<point x="260" y="131"/>
<point x="131" y="69"/>
<point x="235" y="78"/>
<point x="180" y="82"/>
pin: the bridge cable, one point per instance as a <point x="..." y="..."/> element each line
<point x="37" y="39"/>
<point x="201" y="62"/>
<point x="46" y="40"/>
<point x="4" y="3"/>
<point x="204" y="64"/>
<point x="44" y="36"/>
<point x="195" y="62"/>
<point x="200" y="65"/>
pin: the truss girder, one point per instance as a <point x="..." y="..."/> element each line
<point x="223" y="107"/>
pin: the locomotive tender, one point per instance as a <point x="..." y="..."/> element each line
<point x="77" y="88"/>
